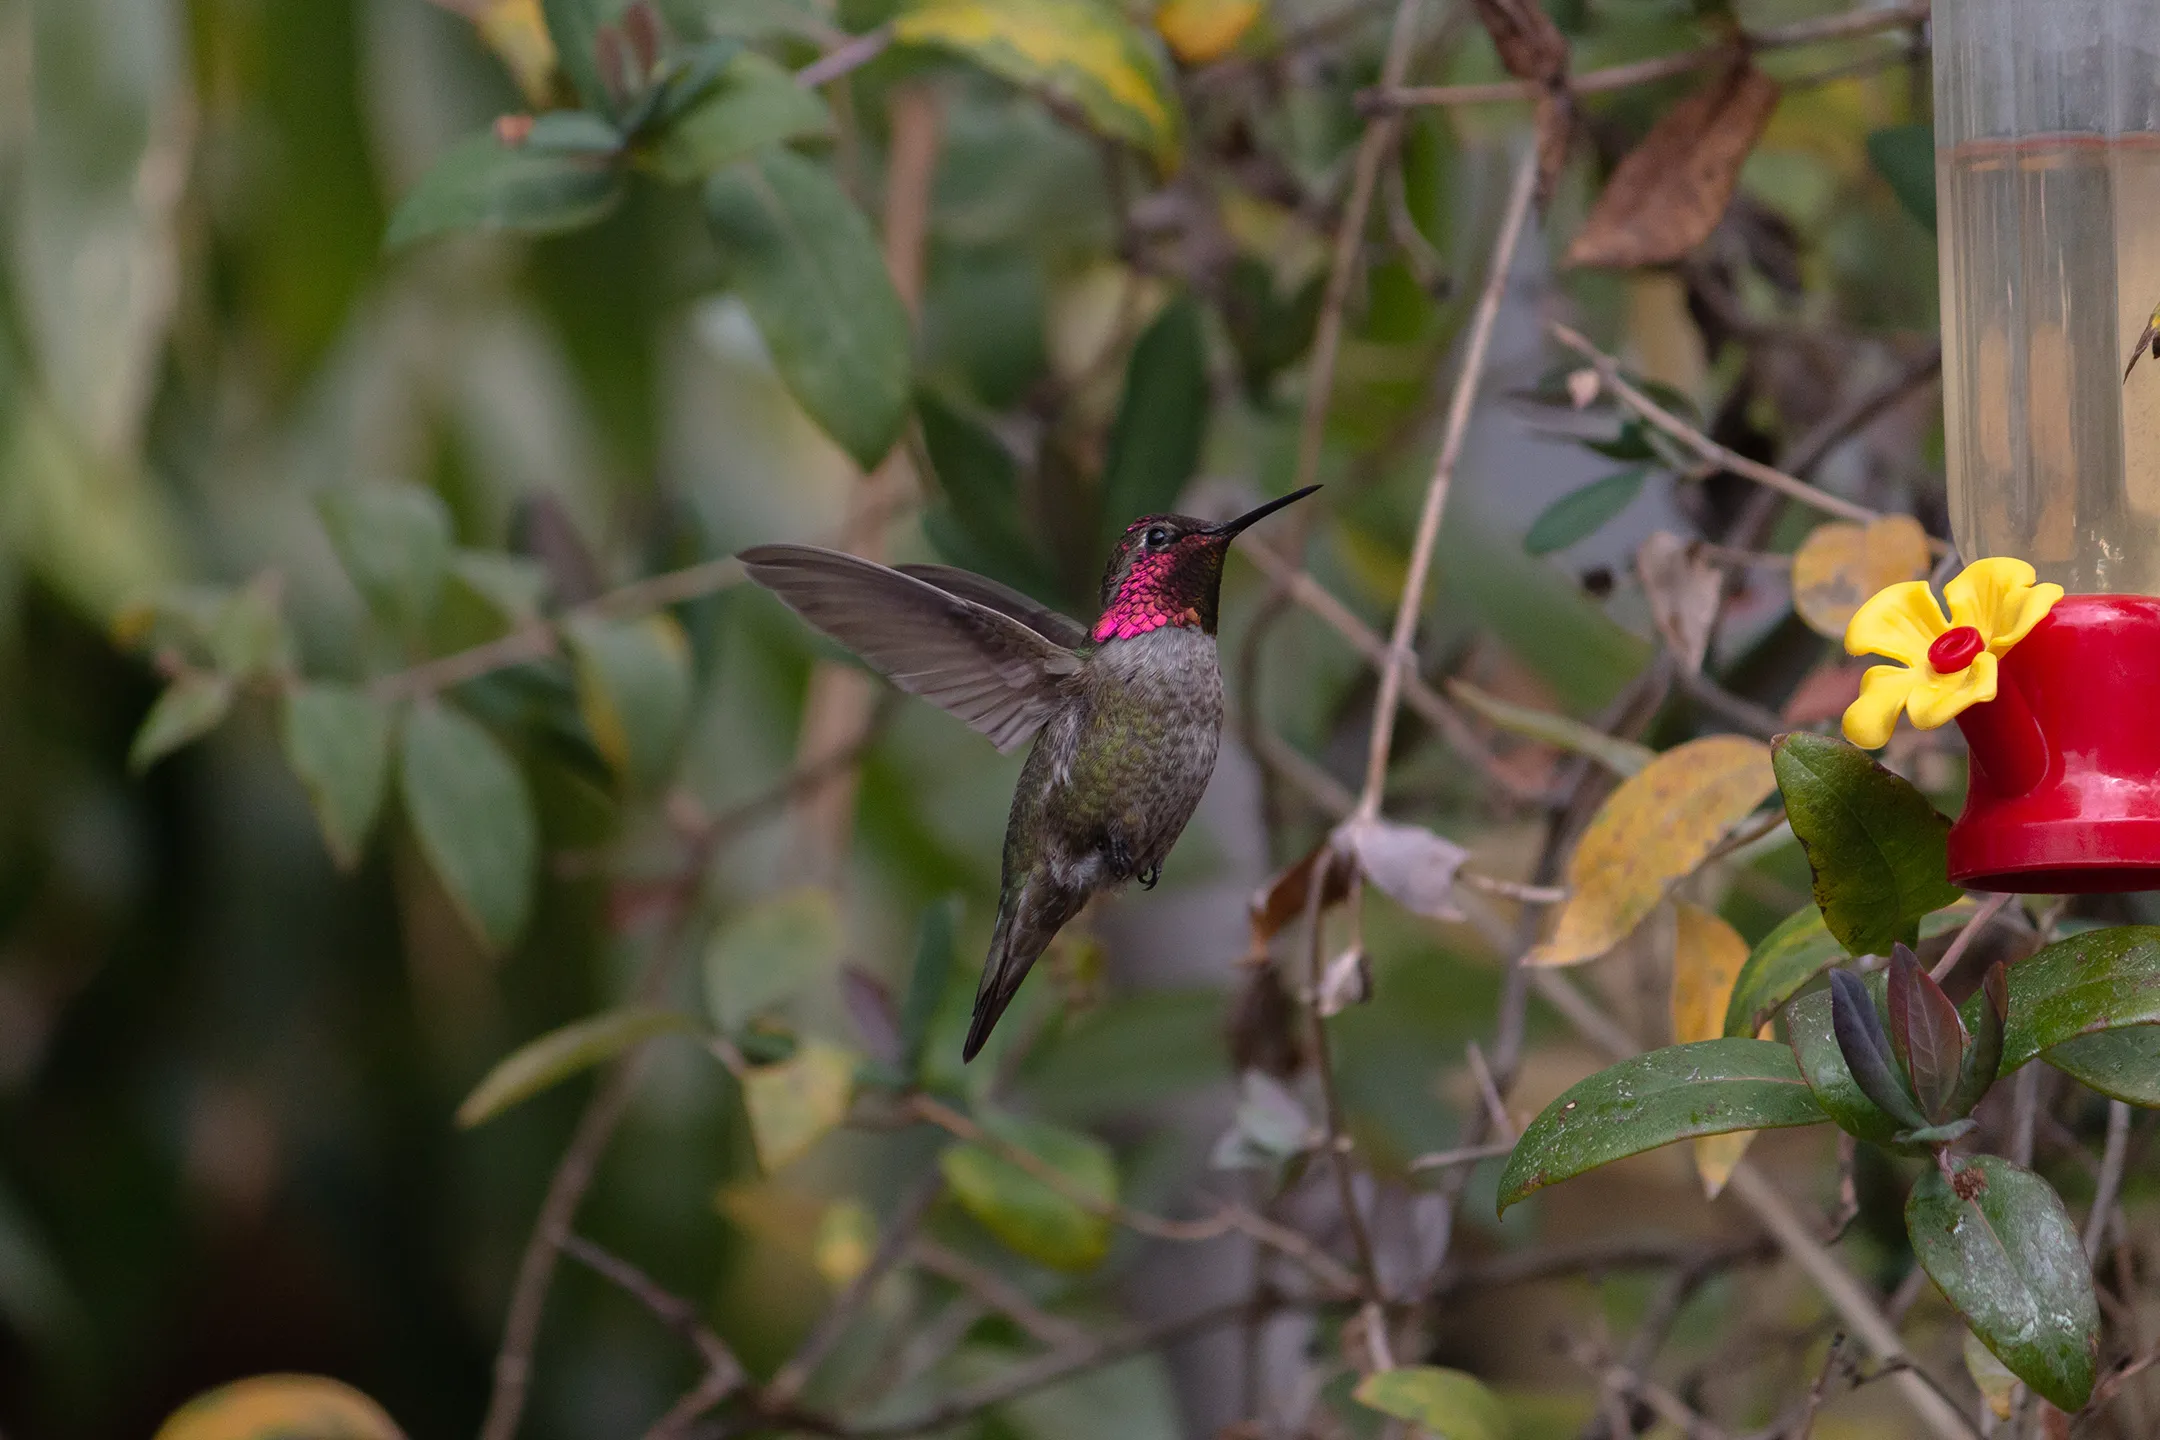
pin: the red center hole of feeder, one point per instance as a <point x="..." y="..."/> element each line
<point x="1955" y="649"/>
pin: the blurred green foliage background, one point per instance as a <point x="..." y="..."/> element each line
<point x="229" y="1068"/>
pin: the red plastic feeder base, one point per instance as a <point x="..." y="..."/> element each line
<point x="2065" y="790"/>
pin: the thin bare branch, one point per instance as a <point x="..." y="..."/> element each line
<point x="1853" y="24"/>
<point x="1412" y="604"/>
<point x="1792" y="487"/>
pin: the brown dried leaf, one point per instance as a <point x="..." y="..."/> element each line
<point x="1262" y="1030"/>
<point x="1666" y="197"/>
<point x="1530" y="44"/>
<point x="1281" y="901"/>
<point x="1683" y="589"/>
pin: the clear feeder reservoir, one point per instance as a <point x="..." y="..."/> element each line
<point x="2047" y="153"/>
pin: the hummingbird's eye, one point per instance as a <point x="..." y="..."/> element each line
<point x="1157" y="538"/>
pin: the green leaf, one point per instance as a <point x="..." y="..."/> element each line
<point x="753" y="103"/>
<point x="1155" y="441"/>
<point x="928" y="981"/>
<point x="1622" y="757"/>
<point x="1445" y="1404"/>
<point x="979" y="526"/>
<point x="2120" y="1064"/>
<point x="190" y="708"/>
<point x="393" y="539"/>
<point x="248" y="636"/>
<point x="337" y="740"/>
<point x="2090" y="984"/>
<point x="2009" y="1260"/>
<point x="1983" y="1057"/>
<point x="1028" y="1215"/>
<point x="766" y="954"/>
<point x="1877" y="847"/>
<point x="1082" y="51"/>
<point x="1582" y="513"/>
<point x="805" y="263"/>
<point x="1710" y="1087"/>
<point x="572" y="25"/>
<point x="473" y="817"/>
<point x="482" y="184"/>
<point x="1904" y="155"/>
<point x="633" y="680"/>
<point x="1793" y="955"/>
<point x="559" y="1054"/>
<point x="794" y="1104"/>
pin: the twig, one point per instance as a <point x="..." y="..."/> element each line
<point x="1462" y="1155"/>
<point x="1503" y="1124"/>
<point x="2111" y="1174"/>
<point x="1513" y="889"/>
<point x="1412" y="603"/>
<point x="1620" y="1379"/>
<point x="1046" y="1369"/>
<point x="1430" y="705"/>
<point x="1595" y="1257"/>
<point x="1806" y="1424"/>
<point x="1338" y="1141"/>
<point x="857" y="52"/>
<point x="1989" y="909"/>
<point x="724" y="1374"/>
<point x="1227" y="1218"/>
<point x="1852" y="24"/>
<point x="536" y="1268"/>
<point x="1723" y="457"/>
<point x="995" y="1291"/>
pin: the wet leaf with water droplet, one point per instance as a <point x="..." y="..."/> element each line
<point x="2000" y="1246"/>
<point x="1712" y="1087"/>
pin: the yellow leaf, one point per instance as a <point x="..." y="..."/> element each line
<point x="846" y="1238"/>
<point x="1707" y="956"/>
<point x="792" y="1104"/>
<point x="1657" y="827"/>
<point x="1716" y="1155"/>
<point x="1840" y="565"/>
<point x="1202" y="30"/>
<point x="517" y="32"/>
<point x="280" y="1407"/>
<point x="1083" y="51"/>
<point x="1997" y="1386"/>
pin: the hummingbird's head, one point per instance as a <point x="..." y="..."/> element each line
<point x="1167" y="570"/>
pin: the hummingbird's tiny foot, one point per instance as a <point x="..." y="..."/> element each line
<point x="1149" y="876"/>
<point x="1120" y="859"/>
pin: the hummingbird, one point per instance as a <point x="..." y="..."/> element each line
<point x="1126" y="714"/>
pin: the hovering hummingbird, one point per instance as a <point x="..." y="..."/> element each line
<point x="1126" y="713"/>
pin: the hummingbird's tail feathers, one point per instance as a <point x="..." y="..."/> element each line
<point x="1029" y="917"/>
<point x="991" y="670"/>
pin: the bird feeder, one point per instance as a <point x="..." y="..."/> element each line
<point x="2047" y="166"/>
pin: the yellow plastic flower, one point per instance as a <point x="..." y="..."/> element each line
<point x="1944" y="665"/>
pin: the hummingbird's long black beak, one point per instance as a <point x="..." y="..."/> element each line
<point x="1230" y="528"/>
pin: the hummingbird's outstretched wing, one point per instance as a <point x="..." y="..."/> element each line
<point x="1058" y="629"/>
<point x="991" y="670"/>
